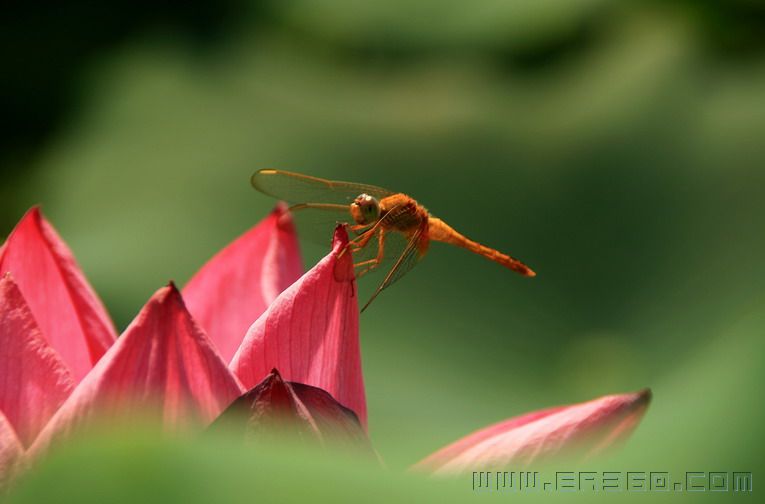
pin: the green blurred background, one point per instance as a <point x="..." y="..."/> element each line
<point x="615" y="146"/>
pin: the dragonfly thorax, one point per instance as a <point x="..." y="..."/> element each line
<point x="365" y="209"/>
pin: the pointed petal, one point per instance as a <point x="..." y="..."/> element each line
<point x="589" y="427"/>
<point x="11" y="450"/>
<point x="309" y="413"/>
<point x="163" y="364"/>
<point x="311" y="333"/>
<point x="67" y="310"/>
<point x="332" y="419"/>
<point x="236" y="286"/>
<point x="34" y="379"/>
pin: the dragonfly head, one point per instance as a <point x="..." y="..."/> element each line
<point x="365" y="209"/>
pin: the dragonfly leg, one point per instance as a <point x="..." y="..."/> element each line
<point x="363" y="238"/>
<point x="354" y="245"/>
<point x="358" y="243"/>
<point x="373" y="263"/>
<point x="361" y="241"/>
<point x="364" y="263"/>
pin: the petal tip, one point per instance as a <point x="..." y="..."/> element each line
<point x="35" y="210"/>
<point x="579" y="430"/>
<point x="280" y="208"/>
<point x="34" y="214"/>
<point x="643" y="398"/>
<point x="170" y="293"/>
<point x="65" y="306"/>
<point x="340" y="236"/>
<point x="343" y="268"/>
<point x="281" y="213"/>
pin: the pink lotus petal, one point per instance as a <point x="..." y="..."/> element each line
<point x="33" y="379"/>
<point x="311" y="333"/>
<point x="590" y="426"/>
<point x="236" y="286"/>
<point x="163" y="364"/>
<point x="11" y="450"/>
<point x="303" y="411"/>
<point x="66" y="309"/>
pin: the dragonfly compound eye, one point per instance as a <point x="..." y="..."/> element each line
<point x="365" y="209"/>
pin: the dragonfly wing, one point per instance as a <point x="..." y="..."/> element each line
<point x="407" y="260"/>
<point x="315" y="223"/>
<point x="296" y="188"/>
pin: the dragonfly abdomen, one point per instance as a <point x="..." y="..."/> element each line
<point x="439" y="230"/>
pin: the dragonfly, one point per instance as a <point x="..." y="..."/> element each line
<point x="388" y="226"/>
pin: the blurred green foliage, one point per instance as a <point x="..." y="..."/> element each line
<point x="616" y="147"/>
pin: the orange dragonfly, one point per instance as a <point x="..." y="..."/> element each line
<point x="379" y="216"/>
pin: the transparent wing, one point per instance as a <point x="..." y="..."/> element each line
<point x="404" y="261"/>
<point x="316" y="224"/>
<point x="296" y="188"/>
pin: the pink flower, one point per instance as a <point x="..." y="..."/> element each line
<point x="163" y="363"/>
<point x="61" y="368"/>
<point x="64" y="305"/>
<point x="587" y="427"/>
<point x="310" y="333"/>
<point x="237" y="285"/>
